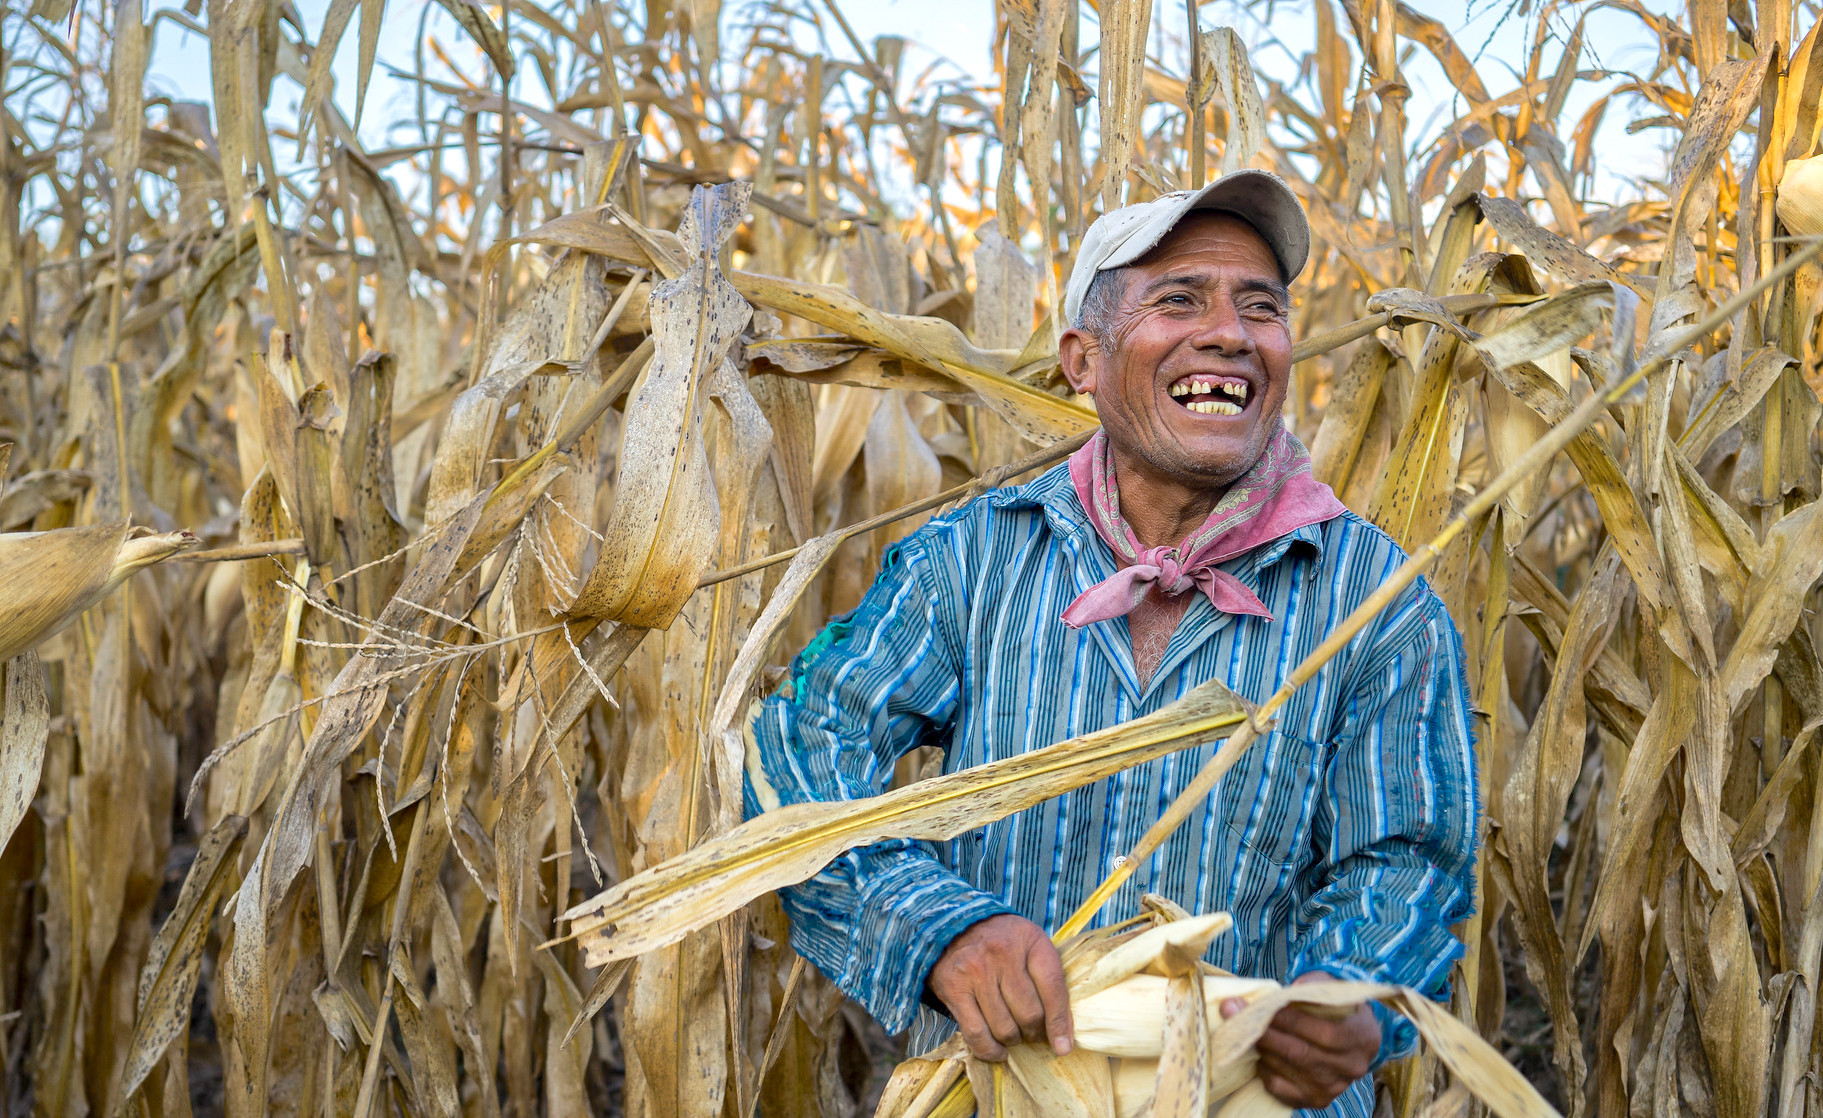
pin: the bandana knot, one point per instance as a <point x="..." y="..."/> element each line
<point x="1166" y="568"/>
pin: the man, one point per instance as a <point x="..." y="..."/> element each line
<point x="1186" y="541"/>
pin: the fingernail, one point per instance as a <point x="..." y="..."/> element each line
<point x="1062" y="1046"/>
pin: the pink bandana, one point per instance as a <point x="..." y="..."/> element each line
<point x="1277" y="495"/>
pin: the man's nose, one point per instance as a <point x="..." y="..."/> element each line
<point x="1222" y="329"/>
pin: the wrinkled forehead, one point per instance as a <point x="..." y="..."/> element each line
<point x="1218" y="232"/>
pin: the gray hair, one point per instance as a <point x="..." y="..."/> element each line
<point x="1096" y="315"/>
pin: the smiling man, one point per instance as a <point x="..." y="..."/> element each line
<point x="1186" y="541"/>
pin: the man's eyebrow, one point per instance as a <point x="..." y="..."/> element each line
<point x="1186" y="279"/>
<point x="1271" y="287"/>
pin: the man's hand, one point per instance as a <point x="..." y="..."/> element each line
<point x="1002" y="981"/>
<point x="1308" y="1059"/>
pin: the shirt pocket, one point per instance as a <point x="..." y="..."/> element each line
<point x="1269" y="809"/>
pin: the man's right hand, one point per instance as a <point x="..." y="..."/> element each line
<point x="1002" y="981"/>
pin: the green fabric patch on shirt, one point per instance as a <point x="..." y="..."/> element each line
<point x="833" y="633"/>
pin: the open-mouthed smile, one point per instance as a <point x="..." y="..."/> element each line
<point x="1212" y="395"/>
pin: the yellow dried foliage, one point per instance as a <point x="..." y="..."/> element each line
<point x="503" y="469"/>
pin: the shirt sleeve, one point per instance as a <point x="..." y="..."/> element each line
<point x="871" y="687"/>
<point x="1398" y="824"/>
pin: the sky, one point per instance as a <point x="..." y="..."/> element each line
<point x="960" y="31"/>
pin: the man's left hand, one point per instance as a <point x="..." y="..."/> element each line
<point x="1308" y="1059"/>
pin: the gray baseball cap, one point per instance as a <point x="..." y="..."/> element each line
<point x="1122" y="236"/>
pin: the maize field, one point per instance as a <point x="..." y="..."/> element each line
<point x="393" y="539"/>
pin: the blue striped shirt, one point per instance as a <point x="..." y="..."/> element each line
<point x="1344" y="841"/>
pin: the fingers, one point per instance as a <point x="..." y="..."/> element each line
<point x="1020" y="994"/>
<point x="1336" y="1034"/>
<point x="999" y="1016"/>
<point x="1002" y="981"/>
<point x="1045" y="966"/>
<point x="975" y="1030"/>
<point x="1299" y="1037"/>
<point x="1306" y="1060"/>
<point x="1288" y="1047"/>
<point x="1293" y="1093"/>
<point x="1303" y="1085"/>
<point x="1347" y="1057"/>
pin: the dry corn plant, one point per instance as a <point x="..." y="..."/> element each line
<point x="501" y="470"/>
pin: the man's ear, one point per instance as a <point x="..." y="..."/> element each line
<point x="1080" y="355"/>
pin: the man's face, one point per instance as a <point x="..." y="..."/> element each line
<point x="1192" y="373"/>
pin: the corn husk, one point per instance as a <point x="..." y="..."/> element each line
<point x="1156" y="1054"/>
<point x="53" y="576"/>
<point x="1800" y="196"/>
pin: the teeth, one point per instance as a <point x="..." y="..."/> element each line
<point x="1206" y="387"/>
<point x="1213" y="407"/>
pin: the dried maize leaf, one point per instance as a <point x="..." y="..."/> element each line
<point x="1241" y="95"/>
<point x="551" y="324"/>
<point x="677" y="1023"/>
<point x="475" y="20"/>
<point x="132" y="40"/>
<point x="1665" y="731"/>
<point x="428" y="1045"/>
<point x="1619" y="502"/>
<point x="1436" y="39"/>
<point x="354" y="703"/>
<point x="1251" y="1100"/>
<point x="316" y="81"/>
<point x="167" y="981"/>
<point x="1734" y="401"/>
<point x="1762" y="823"/>
<point x="909" y="1082"/>
<point x="1472" y="1060"/>
<point x="22" y="738"/>
<point x="246" y="980"/>
<point x="662" y="530"/>
<point x="842" y="424"/>
<point x="1078" y="1085"/>
<point x="931" y="342"/>
<point x="790" y="843"/>
<point x="566" y="1066"/>
<point x="1537" y="789"/>
<point x="1345" y="420"/>
<point x="1413" y="499"/>
<point x="1546" y="251"/>
<point x="899" y="465"/>
<point x="1791" y="563"/>
<point x="458" y="998"/>
<point x="1182" y="1090"/>
<point x="1122" y="93"/>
